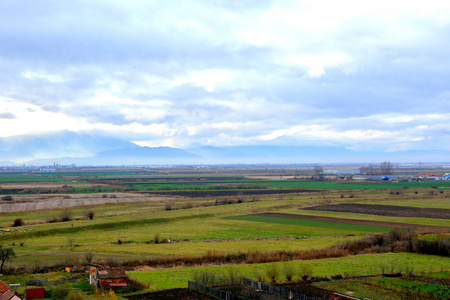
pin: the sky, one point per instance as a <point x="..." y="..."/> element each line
<point x="364" y="75"/>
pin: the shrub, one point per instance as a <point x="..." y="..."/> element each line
<point x="112" y="196"/>
<point x="52" y="220"/>
<point x="273" y="272"/>
<point x="67" y="197"/>
<point x="168" y="206"/>
<point x="112" y="262"/>
<point x="89" y="256"/>
<point x="7" y="198"/>
<point x="60" y="292"/>
<point x="137" y="285"/>
<point x="66" y="215"/>
<point x="71" y="241"/>
<point x="104" y="196"/>
<point x="18" y="222"/>
<point x="289" y="272"/>
<point x="205" y="278"/>
<point x="89" y="214"/>
<point x="157" y="238"/>
<point x="306" y="271"/>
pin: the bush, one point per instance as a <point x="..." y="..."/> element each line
<point x="89" y="214"/>
<point x="112" y="262"/>
<point x="89" y="256"/>
<point x="66" y="215"/>
<point x="18" y="222"/>
<point x="157" y="238"/>
<point x="306" y="271"/>
<point x="60" y="293"/>
<point x="168" y="206"/>
<point x="289" y="272"/>
<point x="273" y="272"/>
<point x="52" y="220"/>
<point x="205" y="278"/>
<point x="7" y="198"/>
<point x="137" y="285"/>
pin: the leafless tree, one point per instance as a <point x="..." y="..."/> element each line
<point x="318" y="173"/>
<point x="6" y="254"/>
<point x="89" y="256"/>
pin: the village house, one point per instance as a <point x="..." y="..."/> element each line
<point x="107" y="277"/>
<point x="6" y="293"/>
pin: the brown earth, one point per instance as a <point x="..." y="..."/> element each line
<point x="359" y="222"/>
<point x="39" y="202"/>
<point x="307" y="289"/>
<point x="386" y="210"/>
<point x="180" y="293"/>
<point x="238" y="192"/>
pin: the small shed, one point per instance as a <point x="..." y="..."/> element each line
<point x="108" y="277"/>
<point x="35" y="293"/>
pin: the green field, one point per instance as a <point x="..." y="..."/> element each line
<point x="346" y="266"/>
<point x="309" y="223"/>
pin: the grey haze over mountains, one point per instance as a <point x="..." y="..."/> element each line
<point x="99" y="149"/>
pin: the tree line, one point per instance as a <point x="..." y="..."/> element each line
<point x="384" y="168"/>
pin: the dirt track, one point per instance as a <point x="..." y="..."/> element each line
<point x="386" y="210"/>
<point x="359" y="222"/>
<point x="39" y="202"/>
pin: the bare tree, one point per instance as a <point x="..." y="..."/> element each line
<point x="89" y="256"/>
<point x="386" y="168"/>
<point x="6" y="254"/>
<point x="318" y="173"/>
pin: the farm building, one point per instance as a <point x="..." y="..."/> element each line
<point x="107" y="277"/>
<point x="6" y="293"/>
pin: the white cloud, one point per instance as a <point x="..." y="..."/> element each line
<point x="231" y="73"/>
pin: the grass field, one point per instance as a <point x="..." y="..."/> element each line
<point x="350" y="266"/>
<point x="220" y="228"/>
<point x="309" y="223"/>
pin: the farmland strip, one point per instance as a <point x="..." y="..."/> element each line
<point x="355" y="221"/>
<point x="386" y="210"/>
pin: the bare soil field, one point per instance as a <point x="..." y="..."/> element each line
<point x="359" y="222"/>
<point x="242" y="192"/>
<point x="31" y="185"/>
<point x="306" y="289"/>
<point x="386" y="210"/>
<point x="180" y="293"/>
<point x="39" y="202"/>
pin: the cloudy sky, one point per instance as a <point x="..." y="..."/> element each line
<point x="366" y="75"/>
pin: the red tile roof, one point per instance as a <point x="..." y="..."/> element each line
<point x="111" y="273"/>
<point x="6" y="293"/>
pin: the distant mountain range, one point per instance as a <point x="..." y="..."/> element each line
<point x="89" y="149"/>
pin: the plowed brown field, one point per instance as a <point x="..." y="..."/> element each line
<point x="386" y="210"/>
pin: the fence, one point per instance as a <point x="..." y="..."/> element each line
<point x="214" y="292"/>
<point x="282" y="292"/>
